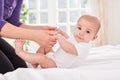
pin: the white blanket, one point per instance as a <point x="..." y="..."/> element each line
<point x="103" y="63"/>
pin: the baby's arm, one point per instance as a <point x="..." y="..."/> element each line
<point x="65" y="45"/>
<point x="33" y="58"/>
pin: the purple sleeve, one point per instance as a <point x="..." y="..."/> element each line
<point x="2" y="21"/>
<point x="15" y="17"/>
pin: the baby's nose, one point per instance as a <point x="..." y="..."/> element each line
<point x="81" y="33"/>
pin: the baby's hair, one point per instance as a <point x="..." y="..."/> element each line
<point x="92" y="19"/>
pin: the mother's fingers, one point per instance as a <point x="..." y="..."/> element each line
<point x="52" y="28"/>
<point x="52" y="32"/>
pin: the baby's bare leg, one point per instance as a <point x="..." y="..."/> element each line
<point x="47" y="50"/>
<point x="46" y="62"/>
<point x="41" y="50"/>
<point x="44" y="51"/>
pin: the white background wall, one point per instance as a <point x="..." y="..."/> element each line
<point x="114" y="21"/>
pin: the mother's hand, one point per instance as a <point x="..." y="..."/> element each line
<point x="45" y="38"/>
<point x="48" y="28"/>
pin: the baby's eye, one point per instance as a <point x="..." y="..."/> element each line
<point x="87" y="31"/>
<point x="79" y="28"/>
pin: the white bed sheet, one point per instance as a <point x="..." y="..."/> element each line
<point x="103" y="63"/>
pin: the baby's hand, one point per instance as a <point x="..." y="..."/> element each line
<point x="59" y="31"/>
<point x="59" y="36"/>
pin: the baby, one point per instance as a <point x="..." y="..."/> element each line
<point x="72" y="51"/>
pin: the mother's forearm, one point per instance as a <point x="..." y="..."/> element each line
<point x="11" y="31"/>
<point x="34" y="27"/>
<point x="37" y="27"/>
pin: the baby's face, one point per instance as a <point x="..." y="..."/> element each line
<point x="85" y="31"/>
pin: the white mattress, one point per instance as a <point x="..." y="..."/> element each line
<point x="103" y="63"/>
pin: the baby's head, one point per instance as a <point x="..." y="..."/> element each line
<point x="87" y="28"/>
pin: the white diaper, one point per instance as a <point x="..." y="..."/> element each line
<point x="62" y="59"/>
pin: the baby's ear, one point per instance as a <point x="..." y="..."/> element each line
<point x="95" y="37"/>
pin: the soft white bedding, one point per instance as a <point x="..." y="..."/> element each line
<point x="103" y="63"/>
